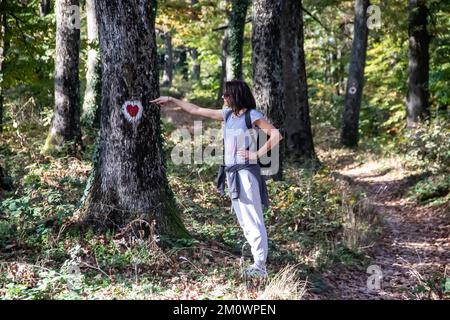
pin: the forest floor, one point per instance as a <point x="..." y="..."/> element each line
<point x="414" y="248"/>
<point x="325" y="229"/>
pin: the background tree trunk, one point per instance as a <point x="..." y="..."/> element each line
<point x="3" y="49"/>
<point x="183" y="64"/>
<point x="419" y="61"/>
<point x="129" y="180"/>
<point x="299" y="141"/>
<point x="92" y="95"/>
<point x="195" y="74"/>
<point x="236" y="28"/>
<point x="168" y="60"/>
<point x="267" y="65"/>
<point x="355" y="82"/>
<point x="225" y="62"/>
<point x="45" y="6"/>
<point x="223" y="68"/>
<point x="65" y="125"/>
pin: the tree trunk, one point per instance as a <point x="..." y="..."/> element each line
<point x="228" y="59"/>
<point x="267" y="65"/>
<point x="168" y="60"/>
<point x="419" y="60"/>
<point x="195" y="74"/>
<point x="65" y="125"/>
<point x="224" y="63"/>
<point x="236" y="28"/>
<point x="3" y="49"/>
<point x="129" y="178"/>
<point x="355" y="82"/>
<point x="45" y="7"/>
<point x="196" y="65"/>
<point x="223" y="68"/>
<point x="299" y="141"/>
<point x="92" y="95"/>
<point x="183" y="65"/>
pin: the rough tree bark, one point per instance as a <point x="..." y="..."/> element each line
<point x="267" y="65"/>
<point x="92" y="95"/>
<point x="355" y="82"/>
<point x="168" y="60"/>
<point x="299" y="141"/>
<point x="129" y="178"/>
<point x="419" y="60"/>
<point x="65" y="125"/>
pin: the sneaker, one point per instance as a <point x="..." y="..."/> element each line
<point x="255" y="272"/>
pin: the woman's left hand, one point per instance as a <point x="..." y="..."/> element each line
<point x="246" y="154"/>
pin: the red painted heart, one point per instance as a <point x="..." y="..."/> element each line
<point x="132" y="110"/>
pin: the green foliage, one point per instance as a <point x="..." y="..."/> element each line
<point x="433" y="190"/>
<point x="28" y="67"/>
<point x="427" y="147"/>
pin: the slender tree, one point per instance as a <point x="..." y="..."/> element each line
<point x="297" y="124"/>
<point x="355" y="82"/>
<point x="267" y="64"/>
<point x="92" y="95"/>
<point x="65" y="125"/>
<point x="236" y="28"/>
<point x="195" y="71"/>
<point x="224" y="57"/>
<point x="182" y="63"/>
<point x="3" y="49"/>
<point x="223" y="67"/>
<point x="168" y="60"/>
<point x="45" y="7"/>
<point x="129" y="180"/>
<point x="419" y="63"/>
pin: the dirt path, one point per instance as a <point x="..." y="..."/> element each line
<point x="415" y="243"/>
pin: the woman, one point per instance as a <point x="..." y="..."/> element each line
<point x="246" y="187"/>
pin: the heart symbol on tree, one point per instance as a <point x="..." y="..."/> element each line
<point x="132" y="110"/>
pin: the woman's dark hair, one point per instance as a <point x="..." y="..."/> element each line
<point x="239" y="95"/>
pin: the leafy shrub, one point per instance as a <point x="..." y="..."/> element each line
<point x="427" y="147"/>
<point x="426" y="191"/>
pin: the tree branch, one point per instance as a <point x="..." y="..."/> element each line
<point x="226" y="26"/>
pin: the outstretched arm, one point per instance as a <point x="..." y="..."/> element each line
<point x="190" y="107"/>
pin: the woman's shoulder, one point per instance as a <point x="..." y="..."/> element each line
<point x="256" y="114"/>
<point x="225" y="111"/>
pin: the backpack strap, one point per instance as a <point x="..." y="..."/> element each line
<point x="227" y="115"/>
<point x="248" y="121"/>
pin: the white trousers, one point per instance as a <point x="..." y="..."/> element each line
<point x="248" y="209"/>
